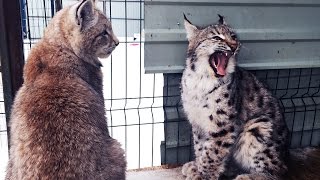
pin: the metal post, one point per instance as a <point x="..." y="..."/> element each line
<point x="11" y="53"/>
<point x="58" y="5"/>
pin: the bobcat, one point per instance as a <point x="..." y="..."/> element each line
<point x="58" y="123"/>
<point x="237" y="124"/>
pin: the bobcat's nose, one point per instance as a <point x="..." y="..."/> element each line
<point x="233" y="44"/>
<point x="116" y="42"/>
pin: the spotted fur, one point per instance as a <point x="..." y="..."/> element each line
<point x="236" y="121"/>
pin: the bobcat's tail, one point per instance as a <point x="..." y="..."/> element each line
<point x="303" y="164"/>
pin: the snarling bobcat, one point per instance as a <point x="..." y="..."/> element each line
<point x="236" y="122"/>
<point x="58" y="124"/>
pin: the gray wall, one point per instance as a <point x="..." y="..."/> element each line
<point x="274" y="33"/>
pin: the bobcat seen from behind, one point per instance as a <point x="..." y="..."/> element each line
<point x="58" y="124"/>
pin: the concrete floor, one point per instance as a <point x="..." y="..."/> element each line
<point x="156" y="174"/>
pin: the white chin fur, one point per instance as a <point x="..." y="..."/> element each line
<point x="104" y="52"/>
<point x="231" y="65"/>
<point x="103" y="55"/>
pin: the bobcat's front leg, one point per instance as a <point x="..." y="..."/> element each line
<point x="211" y="162"/>
<point x="190" y="169"/>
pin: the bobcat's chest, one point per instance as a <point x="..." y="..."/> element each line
<point x="204" y="101"/>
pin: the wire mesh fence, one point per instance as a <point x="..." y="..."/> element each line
<point x="298" y="91"/>
<point x="144" y="111"/>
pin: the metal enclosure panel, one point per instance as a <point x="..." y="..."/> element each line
<point x="274" y="34"/>
<point x="298" y="92"/>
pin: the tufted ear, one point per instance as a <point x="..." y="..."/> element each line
<point x="221" y="19"/>
<point x="190" y="28"/>
<point x="85" y="13"/>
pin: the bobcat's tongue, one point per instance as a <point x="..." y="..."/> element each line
<point x="219" y="61"/>
<point x="221" y="64"/>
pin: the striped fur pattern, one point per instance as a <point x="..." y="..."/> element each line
<point x="237" y="124"/>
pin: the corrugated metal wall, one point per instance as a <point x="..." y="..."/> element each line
<point x="274" y="33"/>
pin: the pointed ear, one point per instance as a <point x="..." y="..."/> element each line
<point x="190" y="28"/>
<point x="221" y="19"/>
<point x="85" y="13"/>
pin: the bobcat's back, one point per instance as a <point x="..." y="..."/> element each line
<point x="58" y="124"/>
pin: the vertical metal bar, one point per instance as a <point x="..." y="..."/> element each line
<point x="165" y="135"/>
<point x="52" y="7"/>
<point x="23" y="18"/>
<point x="126" y="133"/>
<point x="126" y="81"/>
<point x="165" y="123"/>
<point x="284" y="95"/>
<point x="11" y="53"/>
<point x="295" y="108"/>
<point x="28" y="22"/>
<point x="152" y="131"/>
<point x="315" y="115"/>
<point x="304" y="119"/>
<point x="305" y="114"/>
<point x="104" y="7"/>
<point x="277" y="81"/>
<point x="45" y="12"/>
<point x="140" y="76"/>
<point x="38" y="19"/>
<point x="178" y="132"/>
<point x="111" y="79"/>
<point x="58" y="5"/>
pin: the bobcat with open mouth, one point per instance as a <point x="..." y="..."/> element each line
<point x="236" y="122"/>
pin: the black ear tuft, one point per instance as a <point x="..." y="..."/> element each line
<point x="221" y="19"/>
<point x="185" y="18"/>
<point x="85" y="13"/>
<point x="191" y="30"/>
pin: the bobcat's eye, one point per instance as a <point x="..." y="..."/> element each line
<point x="234" y="37"/>
<point x="217" y="38"/>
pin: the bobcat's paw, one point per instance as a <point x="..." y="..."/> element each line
<point x="195" y="177"/>
<point x="255" y="176"/>
<point x="243" y="177"/>
<point x="189" y="168"/>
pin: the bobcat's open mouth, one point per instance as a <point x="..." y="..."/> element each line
<point x="219" y="62"/>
